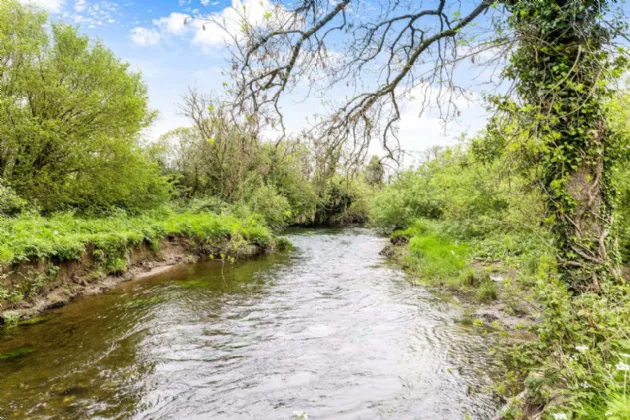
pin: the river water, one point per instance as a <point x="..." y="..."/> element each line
<point x="329" y="329"/>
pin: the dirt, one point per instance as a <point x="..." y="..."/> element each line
<point x="79" y="278"/>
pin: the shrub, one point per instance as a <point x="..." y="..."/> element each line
<point x="10" y="202"/>
<point x="273" y="207"/>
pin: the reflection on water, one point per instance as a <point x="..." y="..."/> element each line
<point x="329" y="329"/>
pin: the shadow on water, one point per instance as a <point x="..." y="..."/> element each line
<point x="330" y="329"/>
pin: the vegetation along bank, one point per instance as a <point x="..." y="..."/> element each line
<point x="86" y="200"/>
<point x="530" y="218"/>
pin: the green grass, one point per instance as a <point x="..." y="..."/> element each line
<point x="487" y="291"/>
<point x="65" y="236"/>
<point x="435" y="257"/>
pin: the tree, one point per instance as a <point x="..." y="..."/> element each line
<point x="560" y="62"/>
<point x="563" y="73"/>
<point x="71" y="114"/>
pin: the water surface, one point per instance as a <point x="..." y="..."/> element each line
<point x="330" y="329"/>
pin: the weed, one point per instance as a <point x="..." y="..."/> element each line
<point x="487" y="291"/>
<point x="10" y="318"/>
<point x="25" y="351"/>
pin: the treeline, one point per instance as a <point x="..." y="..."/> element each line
<point x="289" y="182"/>
<point x="72" y="121"/>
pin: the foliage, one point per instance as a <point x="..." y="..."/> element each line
<point x="10" y="202"/>
<point x="71" y="116"/>
<point x="346" y="201"/>
<point x="562" y="72"/>
<point x="211" y="158"/>
<point x="474" y="196"/>
<point x="576" y="364"/>
<point x="65" y="236"/>
<point x="273" y="207"/>
<point x="278" y="180"/>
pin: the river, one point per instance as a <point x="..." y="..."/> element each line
<point x="330" y="329"/>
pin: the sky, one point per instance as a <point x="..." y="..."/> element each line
<point x="174" y="56"/>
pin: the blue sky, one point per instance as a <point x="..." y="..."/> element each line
<point x="152" y="37"/>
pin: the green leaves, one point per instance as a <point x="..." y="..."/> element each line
<point x="71" y="119"/>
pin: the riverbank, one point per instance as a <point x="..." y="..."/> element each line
<point x="47" y="261"/>
<point x="485" y="284"/>
<point x="562" y="353"/>
<point x="254" y="339"/>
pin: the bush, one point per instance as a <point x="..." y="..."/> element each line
<point x="10" y="203"/>
<point x="410" y="197"/>
<point x="273" y="207"/>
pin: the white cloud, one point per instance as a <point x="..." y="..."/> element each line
<point x="174" y="24"/>
<point x="421" y="128"/>
<point x="212" y="31"/>
<point x="80" y="5"/>
<point x="144" y="37"/>
<point x="53" y="6"/>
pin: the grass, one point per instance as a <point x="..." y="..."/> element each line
<point x="487" y="291"/>
<point x="65" y="236"/>
<point x="436" y="257"/>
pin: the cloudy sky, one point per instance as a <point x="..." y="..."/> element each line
<point x="173" y="56"/>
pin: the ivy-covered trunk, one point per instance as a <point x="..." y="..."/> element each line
<point x="561" y="69"/>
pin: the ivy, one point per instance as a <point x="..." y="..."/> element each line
<point x="562" y="70"/>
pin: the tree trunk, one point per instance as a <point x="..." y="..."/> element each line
<point x="560" y="67"/>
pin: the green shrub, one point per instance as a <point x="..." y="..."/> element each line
<point x="273" y="207"/>
<point x="10" y="202"/>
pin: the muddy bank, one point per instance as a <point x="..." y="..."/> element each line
<point x="62" y="281"/>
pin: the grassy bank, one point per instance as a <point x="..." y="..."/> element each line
<point x="33" y="247"/>
<point x="463" y="226"/>
<point x="565" y="356"/>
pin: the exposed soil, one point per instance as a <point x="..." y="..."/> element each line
<point x="82" y="277"/>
